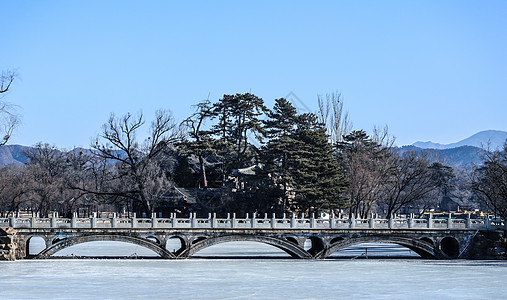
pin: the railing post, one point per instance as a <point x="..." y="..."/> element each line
<point x="214" y="220"/>
<point x="293" y="221"/>
<point x="93" y="220"/>
<point x="449" y="221"/>
<point x="12" y="222"/>
<point x="273" y="221"/>
<point x="233" y="221"/>
<point x="174" y="220"/>
<point x="332" y="222"/>
<point x="53" y="220"/>
<point x="390" y="222"/>
<point x="114" y="221"/>
<point x="73" y="221"/>
<point x="430" y="220"/>
<point x="154" y="220"/>
<point x="33" y="221"/>
<point x="468" y="223"/>
<point x="253" y="221"/>
<point x="411" y="221"/>
<point x="133" y="220"/>
<point x="372" y="222"/>
<point x="193" y="220"/>
<point x="352" y="222"/>
<point x="488" y="222"/>
<point x="312" y="220"/>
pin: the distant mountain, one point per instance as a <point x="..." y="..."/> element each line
<point x="13" y="155"/>
<point x="492" y="139"/>
<point x="461" y="154"/>
<point x="461" y="157"/>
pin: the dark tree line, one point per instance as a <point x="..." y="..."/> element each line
<point x="237" y="155"/>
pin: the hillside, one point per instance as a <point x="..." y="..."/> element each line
<point x="492" y="139"/>
<point x="13" y="155"/>
<point x="462" y="157"/>
<point x="460" y="154"/>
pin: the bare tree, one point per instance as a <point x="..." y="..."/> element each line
<point x="332" y="115"/>
<point x="137" y="174"/>
<point x="6" y="79"/>
<point x="368" y="166"/>
<point x="44" y="175"/>
<point x="381" y="136"/>
<point x="412" y="180"/>
<point x="12" y="189"/>
<point x="8" y="118"/>
<point x="490" y="180"/>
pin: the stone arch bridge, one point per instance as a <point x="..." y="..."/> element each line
<point x="430" y="238"/>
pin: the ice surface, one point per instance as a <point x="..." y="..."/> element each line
<point x="248" y="278"/>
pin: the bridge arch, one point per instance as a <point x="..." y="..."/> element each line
<point x="450" y="247"/>
<point x="31" y="243"/>
<point x="58" y="238"/>
<point x="152" y="238"/>
<point x="289" y="247"/>
<point x="316" y="245"/>
<point x="75" y="240"/>
<point x="428" y="240"/>
<point x="421" y="247"/>
<point x="178" y="244"/>
<point x="292" y="240"/>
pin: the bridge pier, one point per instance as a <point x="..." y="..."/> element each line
<point x="7" y="245"/>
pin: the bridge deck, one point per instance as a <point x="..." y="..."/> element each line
<point x="261" y="223"/>
<point x="430" y="238"/>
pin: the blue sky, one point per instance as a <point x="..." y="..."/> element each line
<point x="430" y="70"/>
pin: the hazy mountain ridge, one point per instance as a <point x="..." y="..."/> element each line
<point x="461" y="157"/>
<point x="488" y="139"/>
<point x="461" y="154"/>
<point x="13" y="155"/>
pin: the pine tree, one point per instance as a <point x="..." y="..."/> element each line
<point x="301" y="161"/>
<point x="199" y="141"/>
<point x="279" y="129"/>
<point x="238" y="117"/>
<point x="318" y="177"/>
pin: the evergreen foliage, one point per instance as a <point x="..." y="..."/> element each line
<point x="301" y="161"/>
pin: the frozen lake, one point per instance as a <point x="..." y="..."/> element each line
<point x="273" y="277"/>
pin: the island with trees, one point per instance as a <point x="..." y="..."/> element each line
<point x="237" y="155"/>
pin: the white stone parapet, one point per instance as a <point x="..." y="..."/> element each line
<point x="253" y="221"/>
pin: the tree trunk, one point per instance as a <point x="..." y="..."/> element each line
<point x="203" y="172"/>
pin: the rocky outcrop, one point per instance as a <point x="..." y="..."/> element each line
<point x="490" y="245"/>
<point x="7" y="244"/>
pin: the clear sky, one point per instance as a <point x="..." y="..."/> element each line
<point x="430" y="70"/>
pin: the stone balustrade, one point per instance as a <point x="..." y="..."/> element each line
<point x="254" y="222"/>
